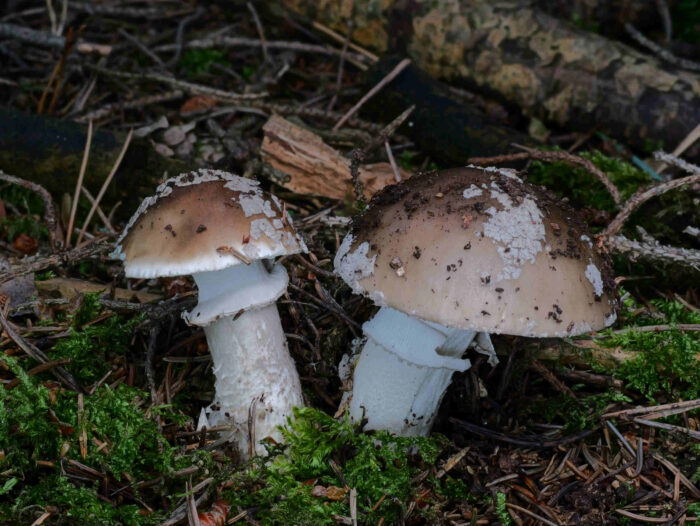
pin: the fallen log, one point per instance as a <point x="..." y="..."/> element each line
<point x="449" y="128"/>
<point x="49" y="151"/>
<point x="543" y="66"/>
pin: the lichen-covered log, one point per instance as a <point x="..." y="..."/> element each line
<point x="449" y="128"/>
<point x="49" y="151"/>
<point x="546" y="67"/>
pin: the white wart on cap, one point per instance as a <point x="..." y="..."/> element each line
<point x="479" y="249"/>
<point x="226" y="220"/>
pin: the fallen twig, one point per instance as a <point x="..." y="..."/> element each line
<point x="59" y="372"/>
<point x="388" y="78"/>
<point x="660" y="52"/>
<point x="49" y="210"/>
<point x="641" y="197"/>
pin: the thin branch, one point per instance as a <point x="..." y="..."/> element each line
<point x="357" y="155"/>
<point x="188" y="87"/>
<point x="49" y="210"/>
<point x="79" y="184"/>
<point x="655" y="252"/>
<point x="660" y="52"/>
<point x="388" y="78"/>
<point x="58" y="259"/>
<point x="232" y="42"/>
<point x="259" y="28"/>
<point x="677" y="162"/>
<point x="108" y="180"/>
<point x="642" y="197"/>
<point x="38" y="355"/>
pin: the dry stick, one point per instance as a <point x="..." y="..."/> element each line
<point x="141" y="102"/>
<point x="231" y="42"/>
<point x="657" y="411"/>
<point x="340" y="38"/>
<point x="642" y="197"/>
<point x="102" y="191"/>
<point x="388" y="78"/>
<point x="661" y="253"/>
<point x="189" y="87"/>
<point x="668" y="427"/>
<point x="660" y="52"/>
<point x="103" y="217"/>
<point x="357" y="155"/>
<point x="392" y="161"/>
<point x="564" y="157"/>
<point x="686" y="143"/>
<point x="341" y="67"/>
<point x="57" y="259"/>
<point x="49" y="210"/>
<point x="43" y="39"/>
<point x="259" y="28"/>
<point x="677" y="162"/>
<point x="59" y="372"/>
<point x="79" y="183"/>
<point x="531" y="514"/>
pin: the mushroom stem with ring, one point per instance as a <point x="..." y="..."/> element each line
<point x="473" y="249"/>
<point x="225" y="231"/>
<point x="404" y="369"/>
<point x="248" y="349"/>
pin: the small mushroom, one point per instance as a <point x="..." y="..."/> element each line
<point x="469" y="282"/>
<point x="224" y="230"/>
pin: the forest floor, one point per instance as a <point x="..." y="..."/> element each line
<point x="104" y="382"/>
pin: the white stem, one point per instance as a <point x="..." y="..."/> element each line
<point x="404" y="370"/>
<point x="252" y="368"/>
<point x="254" y="371"/>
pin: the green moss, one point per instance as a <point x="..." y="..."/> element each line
<point x="686" y="21"/>
<point x="667" y="363"/>
<point x="376" y="465"/>
<point x="41" y="422"/>
<point x="197" y="61"/>
<point x="502" y="510"/>
<point x="90" y="347"/>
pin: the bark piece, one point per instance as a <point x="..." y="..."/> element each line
<point x="314" y="167"/>
<point x="547" y="67"/>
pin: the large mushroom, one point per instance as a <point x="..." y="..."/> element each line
<point x="451" y="256"/>
<point x="225" y="231"/>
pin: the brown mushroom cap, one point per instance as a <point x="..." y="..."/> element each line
<point x="479" y="249"/>
<point x="204" y="221"/>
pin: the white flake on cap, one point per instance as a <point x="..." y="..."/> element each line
<point x="255" y="203"/>
<point x="353" y="266"/>
<point x="472" y="191"/>
<point x="587" y="239"/>
<point x="517" y="230"/>
<point x="593" y="275"/>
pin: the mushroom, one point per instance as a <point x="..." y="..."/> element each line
<point x="450" y="254"/>
<point x="224" y="230"/>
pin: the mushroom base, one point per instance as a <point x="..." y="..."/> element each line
<point x="404" y="370"/>
<point x="255" y="375"/>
